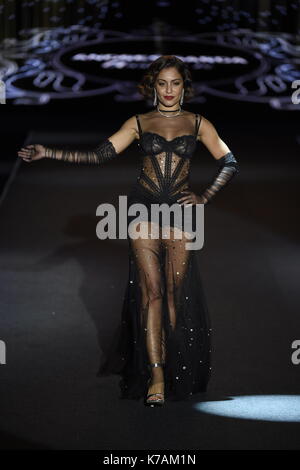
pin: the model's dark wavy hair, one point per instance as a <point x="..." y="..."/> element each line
<point x="146" y="85"/>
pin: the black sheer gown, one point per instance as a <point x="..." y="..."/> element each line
<point x="164" y="317"/>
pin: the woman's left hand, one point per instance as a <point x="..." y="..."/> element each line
<point x="190" y="199"/>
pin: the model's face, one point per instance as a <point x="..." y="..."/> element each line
<point x="169" y="83"/>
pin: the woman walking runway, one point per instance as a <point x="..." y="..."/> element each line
<point x="163" y="349"/>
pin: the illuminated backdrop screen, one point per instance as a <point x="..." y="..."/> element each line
<point x="57" y="50"/>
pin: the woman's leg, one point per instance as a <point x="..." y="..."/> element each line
<point x="147" y="254"/>
<point x="176" y="264"/>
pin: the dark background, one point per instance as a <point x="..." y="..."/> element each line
<point x="61" y="288"/>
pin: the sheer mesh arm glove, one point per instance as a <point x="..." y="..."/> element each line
<point x="103" y="152"/>
<point x="227" y="168"/>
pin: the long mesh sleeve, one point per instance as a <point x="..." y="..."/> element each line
<point x="100" y="154"/>
<point x="227" y="168"/>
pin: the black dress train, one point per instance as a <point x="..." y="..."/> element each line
<point x="164" y="316"/>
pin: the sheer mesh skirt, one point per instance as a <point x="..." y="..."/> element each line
<point x="164" y="317"/>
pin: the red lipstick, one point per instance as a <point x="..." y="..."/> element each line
<point x="168" y="97"/>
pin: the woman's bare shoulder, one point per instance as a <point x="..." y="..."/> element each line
<point x="130" y="125"/>
<point x="132" y="122"/>
<point x="192" y="116"/>
<point x="202" y="123"/>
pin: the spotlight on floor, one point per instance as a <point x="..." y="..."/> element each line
<point x="256" y="407"/>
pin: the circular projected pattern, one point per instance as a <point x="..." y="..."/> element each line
<point x="75" y="62"/>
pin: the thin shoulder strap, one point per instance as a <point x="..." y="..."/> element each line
<point x="139" y="124"/>
<point x="197" y="124"/>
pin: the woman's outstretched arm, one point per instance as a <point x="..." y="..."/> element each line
<point x="227" y="164"/>
<point x="107" y="149"/>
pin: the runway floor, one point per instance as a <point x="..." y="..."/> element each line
<point x="61" y="297"/>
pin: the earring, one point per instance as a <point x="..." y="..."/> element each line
<point x="181" y="98"/>
<point x="155" y="98"/>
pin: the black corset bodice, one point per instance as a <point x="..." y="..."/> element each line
<point x="153" y="144"/>
<point x="165" y="167"/>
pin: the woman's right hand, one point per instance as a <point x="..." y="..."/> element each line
<point x="32" y="152"/>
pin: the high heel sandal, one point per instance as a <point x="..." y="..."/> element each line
<point x="158" y="401"/>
